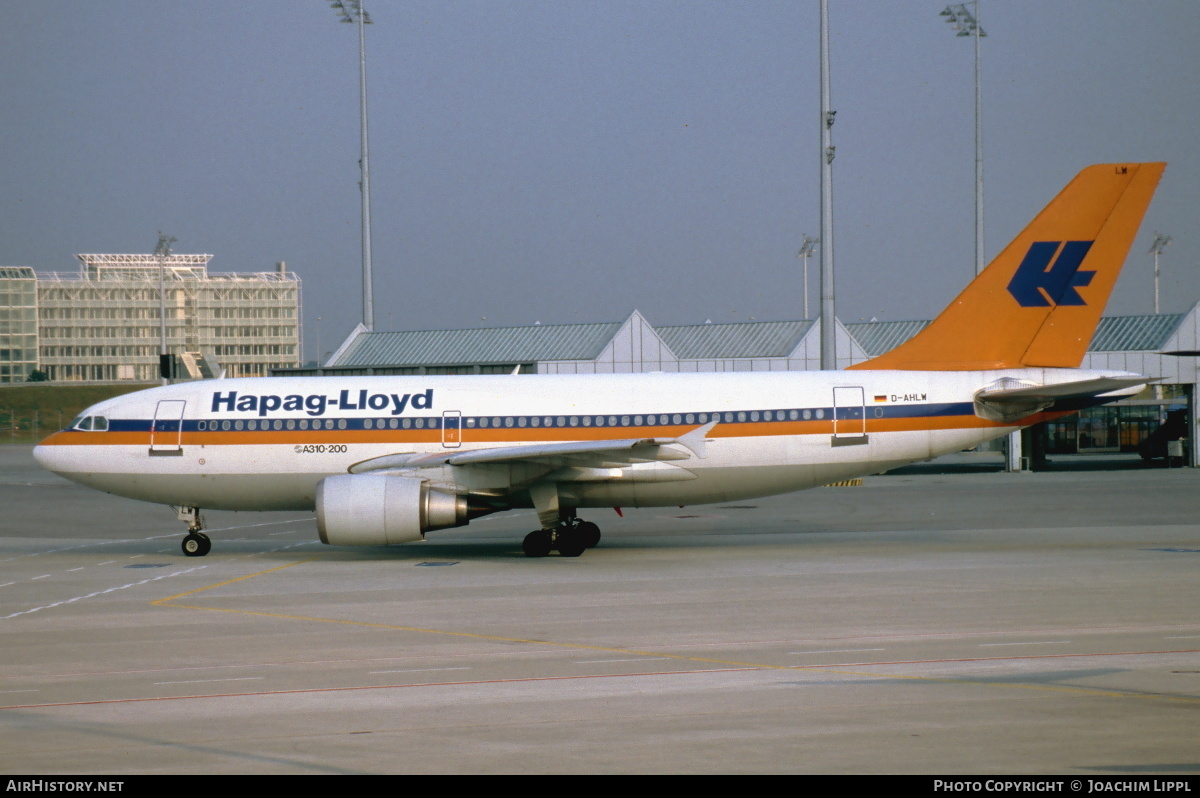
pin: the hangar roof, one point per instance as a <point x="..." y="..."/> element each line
<point x="756" y="339"/>
<point x="740" y="339"/>
<point x="1134" y="333"/>
<point x="484" y="345"/>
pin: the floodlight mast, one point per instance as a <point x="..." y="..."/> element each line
<point x="807" y="249"/>
<point x="967" y="24"/>
<point x="1159" y="244"/>
<point x="828" y="321"/>
<point x="351" y="11"/>
<point x="162" y="251"/>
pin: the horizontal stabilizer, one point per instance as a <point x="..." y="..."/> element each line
<point x="1062" y="390"/>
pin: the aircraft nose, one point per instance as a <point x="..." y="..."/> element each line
<point x="51" y="457"/>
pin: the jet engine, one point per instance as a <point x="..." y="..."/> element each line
<point x="378" y="509"/>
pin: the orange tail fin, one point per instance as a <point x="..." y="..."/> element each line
<point x="1038" y="303"/>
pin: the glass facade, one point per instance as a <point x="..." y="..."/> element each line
<point x="1114" y="428"/>
<point x="103" y="323"/>
<point x="18" y="323"/>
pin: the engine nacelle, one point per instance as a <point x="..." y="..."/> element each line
<point x="377" y="509"/>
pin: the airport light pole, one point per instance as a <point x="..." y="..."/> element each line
<point x="1156" y="248"/>
<point x="352" y="11"/>
<point x="828" y="321"/>
<point x="807" y="248"/>
<point x="967" y="24"/>
<point x="162" y="251"/>
<point x="319" y="342"/>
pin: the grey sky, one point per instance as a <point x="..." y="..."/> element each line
<point x="569" y="161"/>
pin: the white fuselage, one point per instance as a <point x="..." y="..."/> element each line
<point x="265" y="444"/>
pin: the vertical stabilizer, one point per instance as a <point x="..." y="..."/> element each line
<point x="1038" y="303"/>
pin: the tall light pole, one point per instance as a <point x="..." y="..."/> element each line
<point x="967" y="24"/>
<point x="319" y="361"/>
<point x="1156" y="248"/>
<point x="162" y="251"/>
<point x="351" y="11"/>
<point x="828" y="322"/>
<point x="808" y="247"/>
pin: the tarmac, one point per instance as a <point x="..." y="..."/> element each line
<point x="943" y="619"/>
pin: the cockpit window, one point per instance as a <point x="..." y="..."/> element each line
<point x="91" y="424"/>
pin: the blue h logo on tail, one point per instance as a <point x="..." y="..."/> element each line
<point x="1038" y="284"/>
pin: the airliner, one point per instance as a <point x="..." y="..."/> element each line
<point x="386" y="460"/>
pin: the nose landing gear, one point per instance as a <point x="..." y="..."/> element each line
<point x="196" y="543"/>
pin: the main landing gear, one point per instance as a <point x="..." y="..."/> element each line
<point x="196" y="543"/>
<point x="570" y="538"/>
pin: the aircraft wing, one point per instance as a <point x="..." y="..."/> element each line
<point x="1063" y="390"/>
<point x="578" y="454"/>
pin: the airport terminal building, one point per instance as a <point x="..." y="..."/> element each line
<point x="1161" y="346"/>
<point x="102" y="323"/>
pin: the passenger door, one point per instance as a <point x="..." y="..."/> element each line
<point x="166" y="431"/>
<point x="849" y="416"/>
